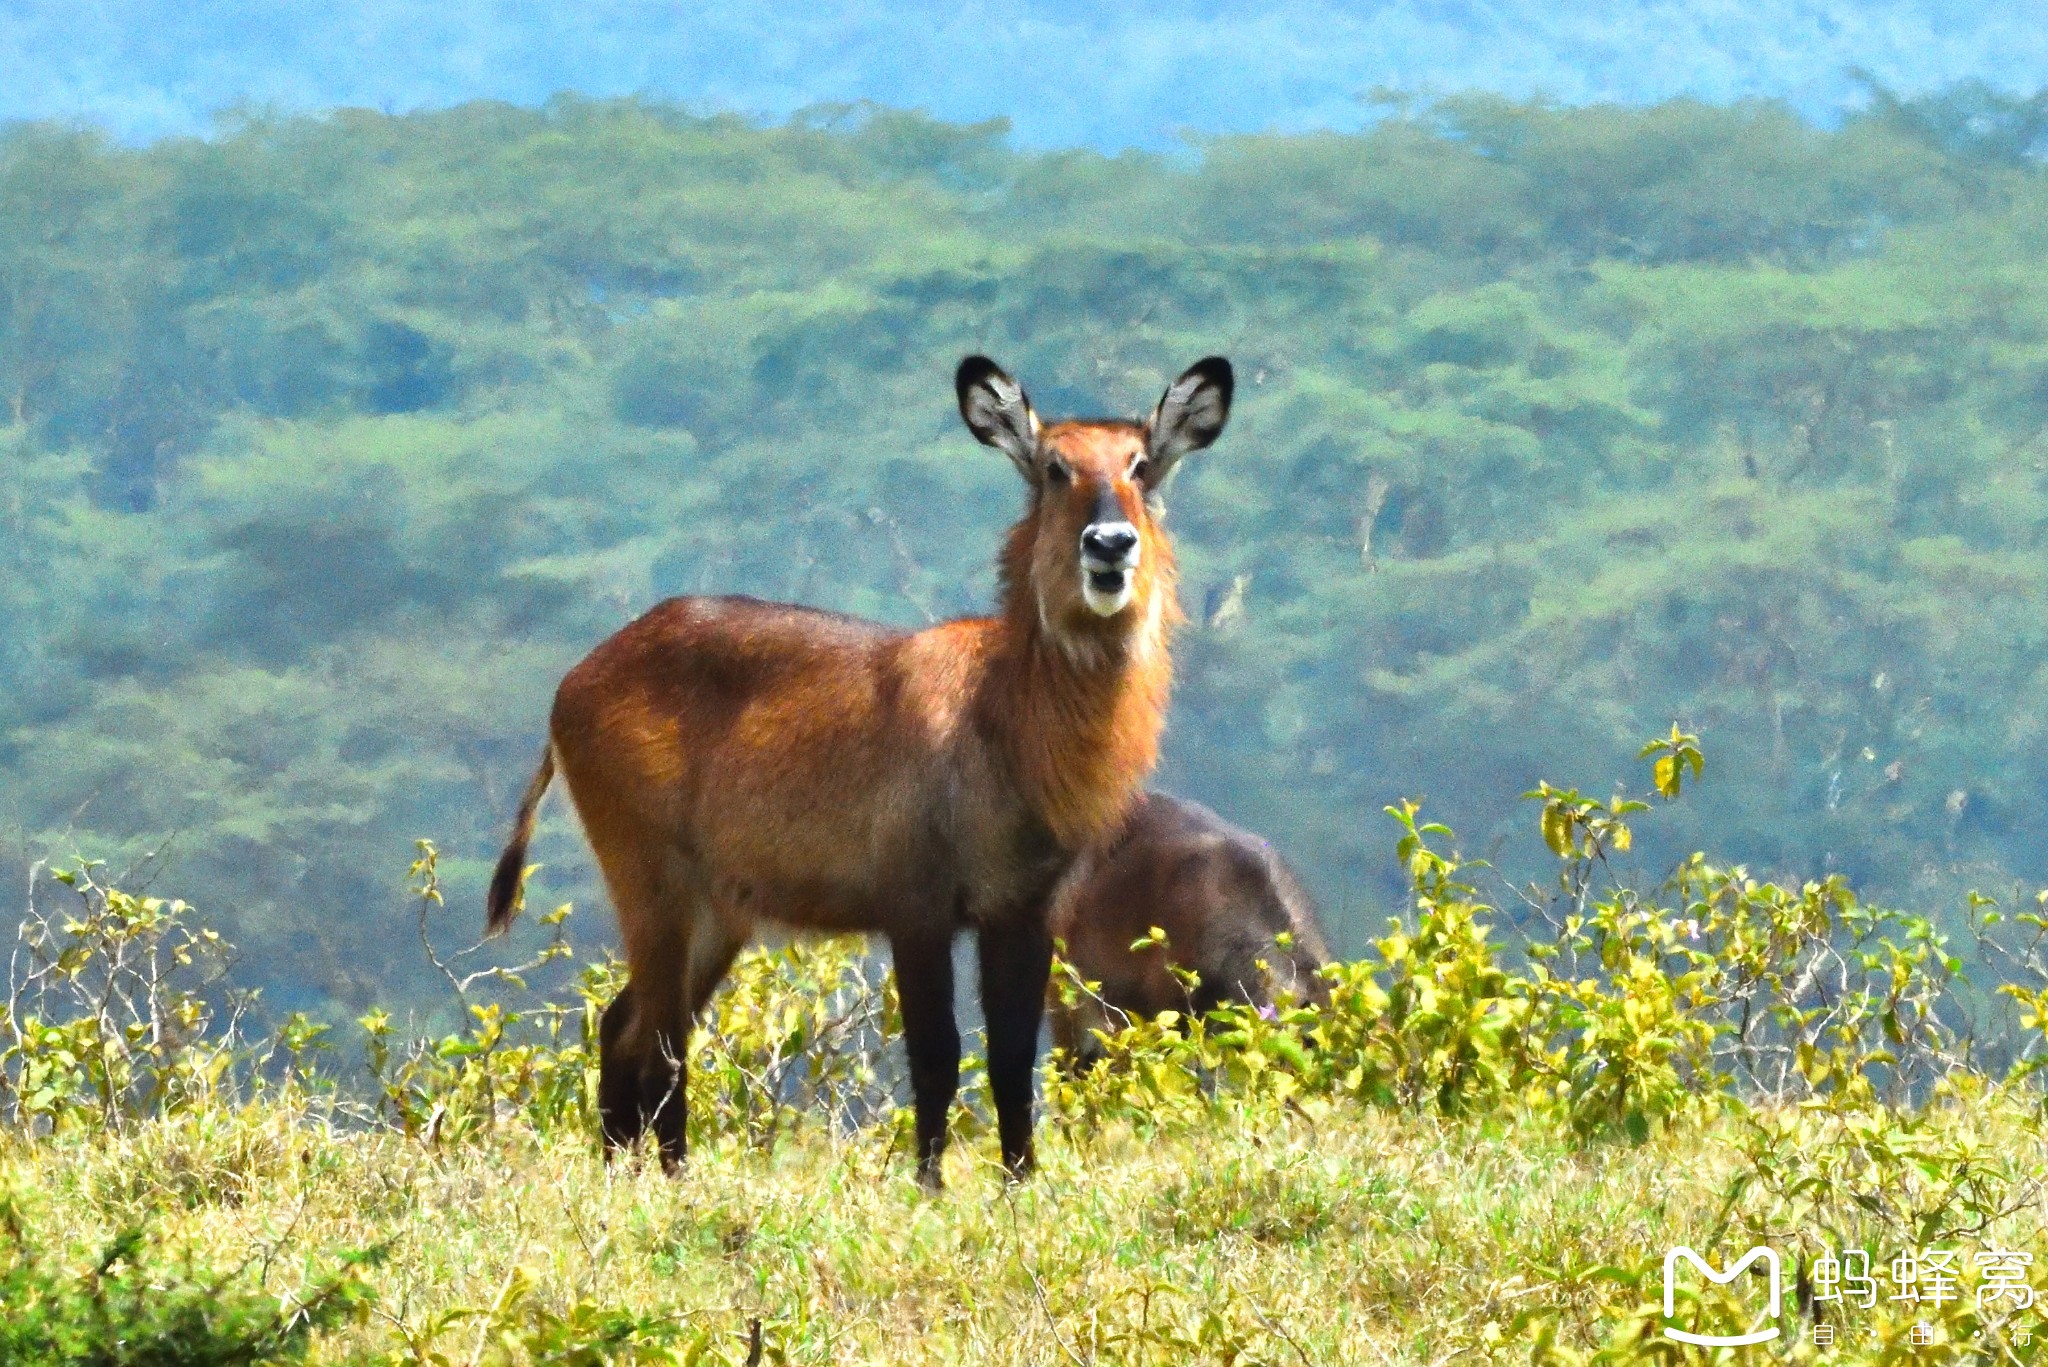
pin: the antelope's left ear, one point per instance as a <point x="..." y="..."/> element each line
<point x="1190" y="414"/>
<point x="996" y="409"/>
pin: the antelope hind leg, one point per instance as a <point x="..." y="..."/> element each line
<point x="620" y="1119"/>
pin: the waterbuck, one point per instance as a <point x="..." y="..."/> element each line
<point x="1221" y="895"/>
<point x="736" y="762"/>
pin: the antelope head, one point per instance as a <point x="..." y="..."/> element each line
<point x="1096" y="557"/>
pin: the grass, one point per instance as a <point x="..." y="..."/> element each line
<point x="1376" y="1230"/>
<point x="1270" y="1235"/>
<point x="1469" y="1154"/>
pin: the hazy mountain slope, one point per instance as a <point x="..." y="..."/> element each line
<point x="327" y="446"/>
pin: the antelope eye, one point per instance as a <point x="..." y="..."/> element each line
<point x="1141" y="469"/>
<point x="1056" y="470"/>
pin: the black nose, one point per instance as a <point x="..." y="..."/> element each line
<point x="1109" y="541"/>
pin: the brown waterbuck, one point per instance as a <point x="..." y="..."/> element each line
<point x="1233" y="913"/>
<point x="736" y="763"/>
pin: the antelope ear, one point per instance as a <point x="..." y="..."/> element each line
<point x="1190" y="414"/>
<point x="997" y="411"/>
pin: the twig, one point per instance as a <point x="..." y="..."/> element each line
<point x="1037" y="1287"/>
<point x="576" y="1225"/>
<point x="1279" y="1332"/>
<point x="291" y="1228"/>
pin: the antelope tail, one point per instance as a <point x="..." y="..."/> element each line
<point x="507" y="893"/>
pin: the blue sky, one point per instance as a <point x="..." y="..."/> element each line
<point x="1066" y="72"/>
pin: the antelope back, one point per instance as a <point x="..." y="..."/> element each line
<point x="1222" y="896"/>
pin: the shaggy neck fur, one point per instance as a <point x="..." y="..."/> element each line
<point x="1082" y="710"/>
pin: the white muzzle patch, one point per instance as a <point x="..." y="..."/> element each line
<point x="1106" y="592"/>
<point x="1107" y="585"/>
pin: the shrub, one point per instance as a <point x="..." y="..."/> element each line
<point x="129" y="1309"/>
<point x="1611" y="1007"/>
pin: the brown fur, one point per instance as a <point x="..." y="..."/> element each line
<point x="1222" y="896"/>
<point x="736" y="762"/>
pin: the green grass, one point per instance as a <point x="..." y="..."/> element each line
<point x="1325" y="1234"/>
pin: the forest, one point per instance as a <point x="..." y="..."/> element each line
<point x="329" y="443"/>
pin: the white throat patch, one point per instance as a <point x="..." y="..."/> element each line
<point x="1107" y="604"/>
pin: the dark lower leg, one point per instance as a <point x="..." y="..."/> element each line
<point x="665" y="1073"/>
<point x="924" y="987"/>
<point x="1016" y="960"/>
<point x="637" y="1033"/>
<point x="663" y="1101"/>
<point x="618" y="1077"/>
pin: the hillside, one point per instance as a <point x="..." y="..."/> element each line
<point x="331" y="442"/>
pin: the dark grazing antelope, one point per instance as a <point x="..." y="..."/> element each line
<point x="736" y="762"/>
<point x="1222" y="896"/>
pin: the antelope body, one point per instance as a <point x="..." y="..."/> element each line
<point x="1222" y="896"/>
<point x="736" y="762"/>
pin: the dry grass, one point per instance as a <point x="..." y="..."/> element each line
<point x="1362" y="1236"/>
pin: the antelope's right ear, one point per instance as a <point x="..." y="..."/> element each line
<point x="996" y="410"/>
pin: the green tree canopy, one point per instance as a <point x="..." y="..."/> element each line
<point x="329" y="443"/>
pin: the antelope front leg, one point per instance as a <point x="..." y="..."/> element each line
<point x="1016" y="960"/>
<point x="924" y="988"/>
